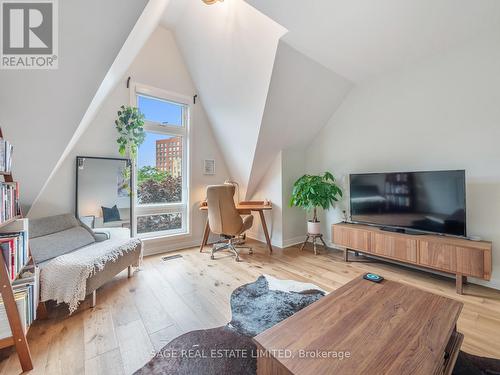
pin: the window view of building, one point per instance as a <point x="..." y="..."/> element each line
<point x="160" y="179"/>
<point x="169" y="156"/>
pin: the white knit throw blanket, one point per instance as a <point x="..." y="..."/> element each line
<point x="64" y="278"/>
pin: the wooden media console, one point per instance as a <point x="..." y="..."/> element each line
<point x="458" y="256"/>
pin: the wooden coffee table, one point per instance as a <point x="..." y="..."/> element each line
<point x="365" y="328"/>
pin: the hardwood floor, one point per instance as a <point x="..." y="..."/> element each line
<point x="134" y="317"/>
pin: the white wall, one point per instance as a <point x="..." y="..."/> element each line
<point x="286" y="225"/>
<point x="294" y="218"/>
<point x="302" y="97"/>
<point x="270" y="188"/>
<point x="158" y="64"/>
<point x="41" y="109"/>
<point x="443" y="113"/>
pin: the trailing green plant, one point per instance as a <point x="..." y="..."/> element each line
<point x="310" y="192"/>
<point x="130" y="127"/>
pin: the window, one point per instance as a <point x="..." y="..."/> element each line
<point x="161" y="170"/>
<point x="161" y="111"/>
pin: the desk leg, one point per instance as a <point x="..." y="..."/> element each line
<point x="264" y="227"/>
<point x="206" y="233"/>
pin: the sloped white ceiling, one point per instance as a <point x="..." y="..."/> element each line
<point x="302" y="97"/>
<point x="229" y="48"/>
<point x="360" y="39"/>
<point x="41" y="109"/>
<point x="328" y="44"/>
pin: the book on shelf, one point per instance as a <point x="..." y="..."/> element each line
<point x="22" y="303"/>
<point x="9" y="196"/>
<point x="24" y="277"/>
<point x="14" y="246"/>
<point x="25" y="290"/>
<point x="6" y="150"/>
<point x="27" y="286"/>
<point x="14" y="251"/>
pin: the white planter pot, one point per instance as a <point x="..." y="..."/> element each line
<point x="313" y="228"/>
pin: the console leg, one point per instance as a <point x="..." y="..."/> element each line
<point x="460" y="283"/>
<point x="346" y="254"/>
<point x="129" y="272"/>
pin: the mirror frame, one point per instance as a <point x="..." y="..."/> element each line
<point x="129" y="165"/>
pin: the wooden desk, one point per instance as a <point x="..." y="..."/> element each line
<point x="243" y="207"/>
<point x="387" y="328"/>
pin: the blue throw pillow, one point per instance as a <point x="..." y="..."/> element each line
<point x="110" y="214"/>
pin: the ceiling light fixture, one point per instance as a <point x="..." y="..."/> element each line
<point x="210" y="2"/>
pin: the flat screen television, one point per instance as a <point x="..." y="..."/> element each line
<point x="420" y="202"/>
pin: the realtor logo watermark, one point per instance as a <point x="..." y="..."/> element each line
<point x="29" y="34"/>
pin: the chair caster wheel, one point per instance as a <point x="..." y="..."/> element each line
<point x="212" y="257"/>
<point x="238" y="259"/>
<point x="250" y="251"/>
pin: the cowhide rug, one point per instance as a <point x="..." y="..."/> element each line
<point x="256" y="307"/>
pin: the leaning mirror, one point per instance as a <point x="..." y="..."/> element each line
<point x="103" y="199"/>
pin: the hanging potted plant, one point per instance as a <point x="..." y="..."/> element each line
<point x="130" y="127"/>
<point x="310" y="192"/>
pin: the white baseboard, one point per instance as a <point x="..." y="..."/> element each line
<point x="294" y="241"/>
<point x="158" y="246"/>
<point x="494" y="284"/>
<point x="281" y="245"/>
<point x="261" y="238"/>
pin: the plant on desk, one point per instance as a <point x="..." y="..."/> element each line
<point x="313" y="191"/>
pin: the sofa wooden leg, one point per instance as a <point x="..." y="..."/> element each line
<point x="93" y="303"/>
<point x="129" y="272"/>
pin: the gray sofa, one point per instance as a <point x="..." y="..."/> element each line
<point x="54" y="236"/>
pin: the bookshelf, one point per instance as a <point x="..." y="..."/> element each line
<point x="12" y="266"/>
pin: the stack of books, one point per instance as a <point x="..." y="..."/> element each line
<point x="5" y="156"/>
<point x="24" y="277"/>
<point x="9" y="196"/>
<point x="14" y="248"/>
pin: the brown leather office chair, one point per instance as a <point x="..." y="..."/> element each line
<point x="224" y="219"/>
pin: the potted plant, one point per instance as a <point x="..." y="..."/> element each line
<point x="130" y="127"/>
<point x="310" y="192"/>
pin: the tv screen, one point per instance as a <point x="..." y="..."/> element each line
<point x="423" y="201"/>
